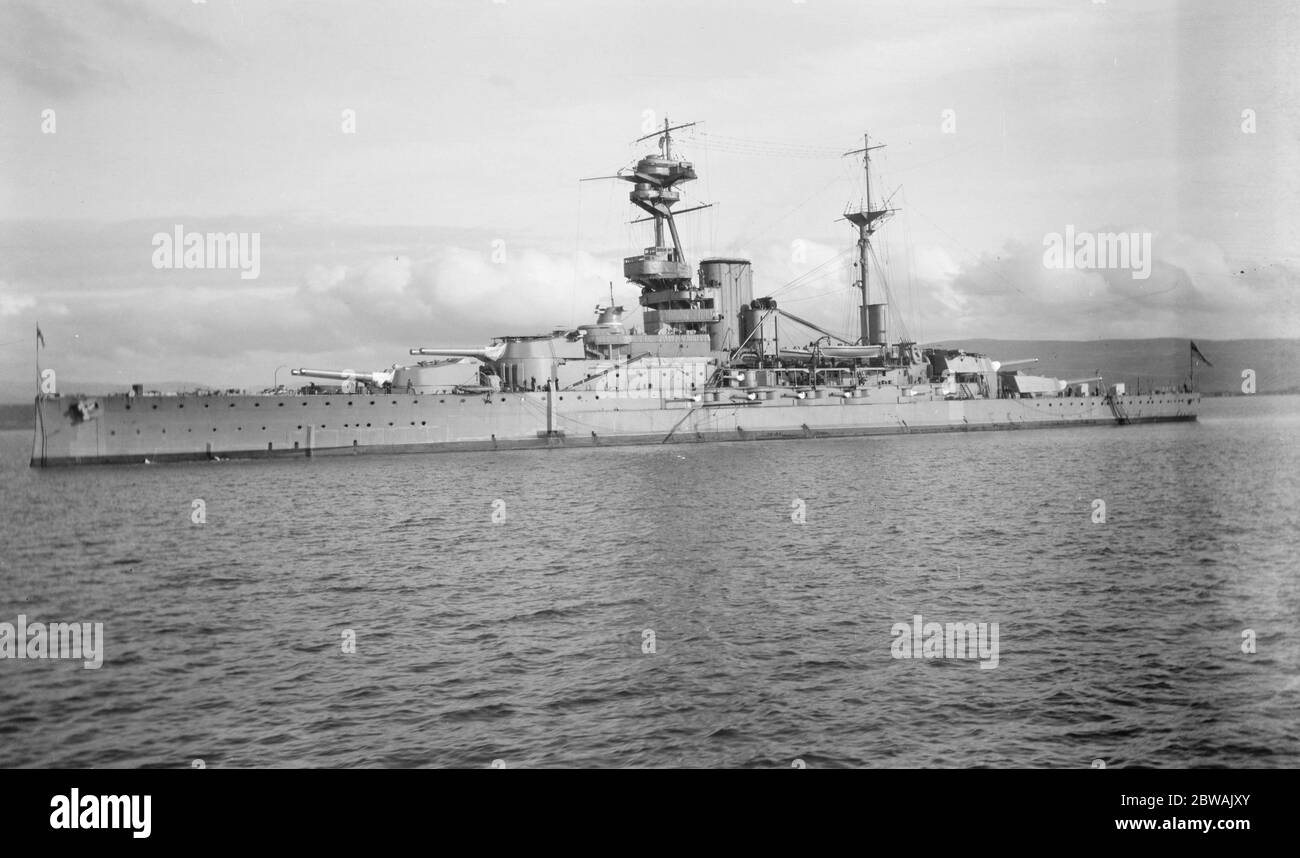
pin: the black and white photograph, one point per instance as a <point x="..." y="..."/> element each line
<point x="555" y="384"/>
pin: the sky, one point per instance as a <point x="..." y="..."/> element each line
<point x="412" y="169"/>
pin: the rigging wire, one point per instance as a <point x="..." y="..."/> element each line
<point x="819" y="295"/>
<point x="910" y="252"/>
<point x="968" y="251"/>
<point x="763" y="231"/>
<point x="754" y="146"/>
<point x="895" y="315"/>
<point x="826" y="275"/>
<point x="806" y="278"/>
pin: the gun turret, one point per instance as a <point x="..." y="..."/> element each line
<point x="487" y="354"/>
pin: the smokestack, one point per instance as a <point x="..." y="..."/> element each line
<point x="876" y="334"/>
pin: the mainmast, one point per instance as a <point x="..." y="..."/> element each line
<point x="865" y="220"/>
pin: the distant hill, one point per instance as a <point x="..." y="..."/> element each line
<point x="17" y="416"/>
<point x="1162" y="361"/>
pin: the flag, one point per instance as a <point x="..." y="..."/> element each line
<point x="1197" y="353"/>
<point x="40" y="338"/>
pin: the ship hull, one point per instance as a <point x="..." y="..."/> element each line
<point x="123" y="429"/>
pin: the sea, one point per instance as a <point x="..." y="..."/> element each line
<point x="758" y="604"/>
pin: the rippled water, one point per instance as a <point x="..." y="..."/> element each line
<point x="522" y="641"/>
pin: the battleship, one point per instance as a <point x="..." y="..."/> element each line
<point x="706" y="364"/>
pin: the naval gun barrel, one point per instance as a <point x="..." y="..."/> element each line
<point x="376" y="378"/>
<point x="487" y="354"/>
<point x="999" y="365"/>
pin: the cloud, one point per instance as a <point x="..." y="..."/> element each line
<point x="42" y="52"/>
<point x="1193" y="290"/>
<point x="65" y="51"/>
<point x="12" y="305"/>
<point x="348" y="307"/>
<point x="361" y="306"/>
<point x="457" y="295"/>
